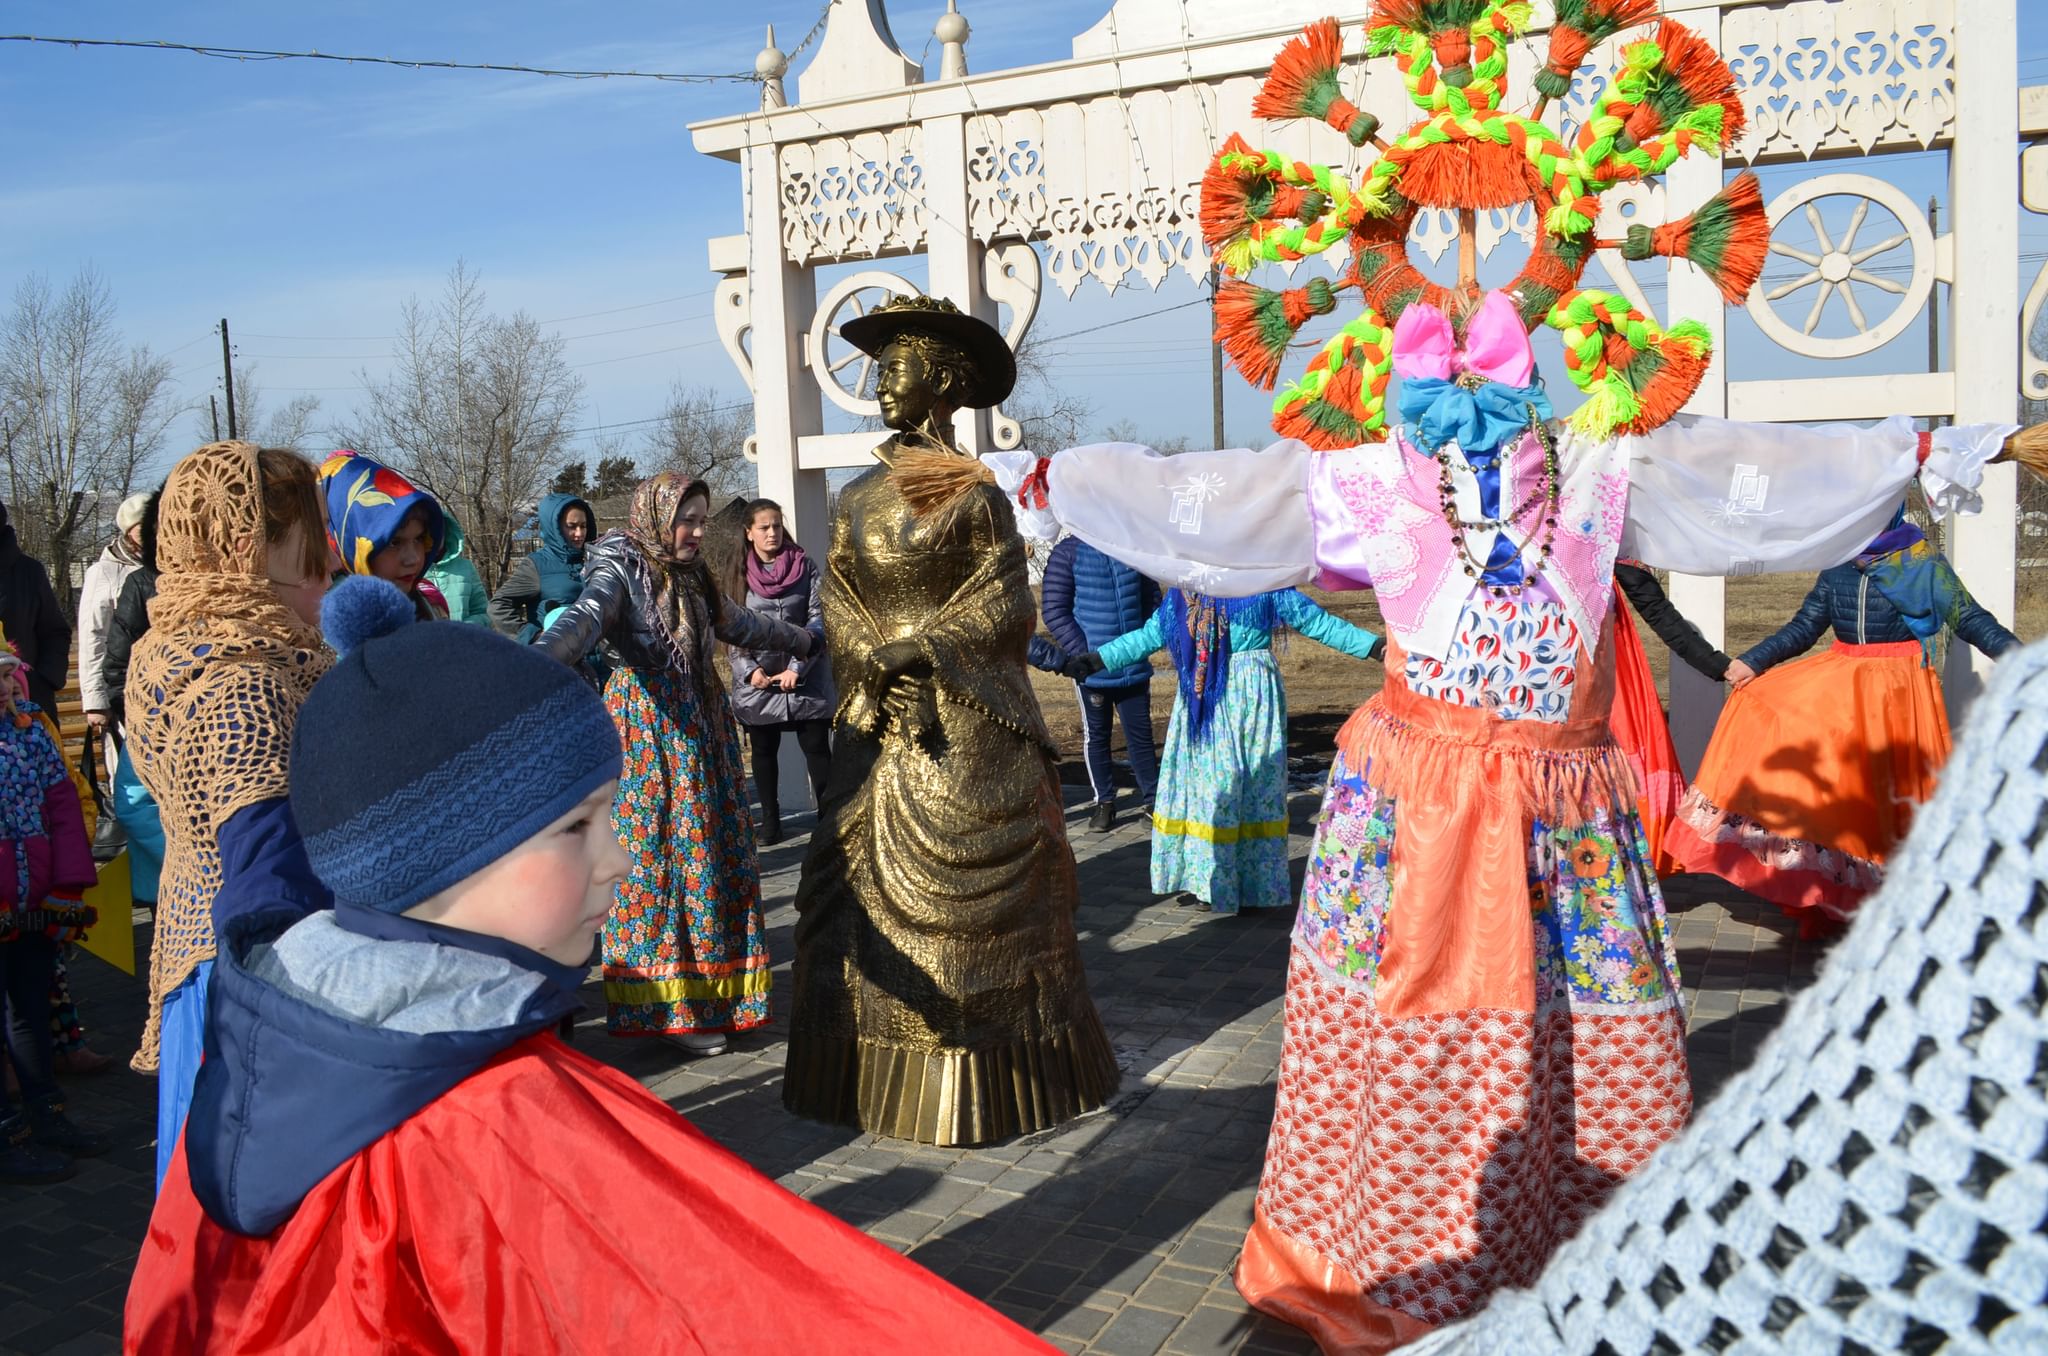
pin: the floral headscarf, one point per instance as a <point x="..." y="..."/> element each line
<point x="366" y="502"/>
<point x="686" y="599"/>
<point x="1916" y="579"/>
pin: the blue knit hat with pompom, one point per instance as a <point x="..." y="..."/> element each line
<point x="432" y="749"/>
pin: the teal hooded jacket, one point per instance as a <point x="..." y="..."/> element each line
<point x="455" y="575"/>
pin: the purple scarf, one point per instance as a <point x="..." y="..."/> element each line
<point x="773" y="578"/>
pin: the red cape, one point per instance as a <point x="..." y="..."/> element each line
<point x="546" y="1204"/>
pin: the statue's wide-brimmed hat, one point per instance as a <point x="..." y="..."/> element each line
<point x="995" y="367"/>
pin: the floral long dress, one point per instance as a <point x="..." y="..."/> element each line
<point x="685" y="947"/>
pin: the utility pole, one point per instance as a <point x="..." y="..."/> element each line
<point x="227" y="373"/>
<point x="1933" y="293"/>
<point x="1215" y="369"/>
<point x="214" y="401"/>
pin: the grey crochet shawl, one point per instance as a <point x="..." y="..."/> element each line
<point x="1878" y="1181"/>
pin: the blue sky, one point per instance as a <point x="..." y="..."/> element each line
<point x="306" y="201"/>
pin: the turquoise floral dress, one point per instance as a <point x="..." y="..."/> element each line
<point x="1219" y="826"/>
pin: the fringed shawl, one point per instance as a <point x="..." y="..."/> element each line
<point x="1196" y="629"/>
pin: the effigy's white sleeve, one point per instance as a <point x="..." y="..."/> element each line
<point x="1718" y="497"/>
<point x="1230" y="523"/>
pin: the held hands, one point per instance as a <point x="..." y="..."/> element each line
<point x="1739" y="675"/>
<point x="1082" y="667"/>
<point x="785" y="680"/>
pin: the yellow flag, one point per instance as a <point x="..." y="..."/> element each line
<point x="112" y="939"/>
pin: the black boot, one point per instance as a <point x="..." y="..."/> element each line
<point x="771" y="823"/>
<point x="55" y="1130"/>
<point x="23" y="1162"/>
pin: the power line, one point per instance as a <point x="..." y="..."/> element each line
<point x="410" y="63"/>
<point x="551" y="320"/>
<point x="654" y="352"/>
<point x="1129" y="319"/>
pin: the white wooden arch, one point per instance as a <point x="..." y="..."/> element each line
<point x="1097" y="161"/>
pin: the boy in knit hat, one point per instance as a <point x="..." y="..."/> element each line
<point x="389" y="1148"/>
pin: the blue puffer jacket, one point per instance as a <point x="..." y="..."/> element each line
<point x="1844" y="598"/>
<point x="1088" y="600"/>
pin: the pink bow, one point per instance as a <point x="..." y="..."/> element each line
<point x="1496" y="345"/>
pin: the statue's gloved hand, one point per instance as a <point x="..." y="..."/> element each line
<point x="891" y="664"/>
<point x="912" y="705"/>
<point x="895" y="659"/>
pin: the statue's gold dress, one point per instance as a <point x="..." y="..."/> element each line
<point x="939" y="989"/>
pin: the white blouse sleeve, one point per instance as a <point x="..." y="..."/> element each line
<point x="1230" y="523"/>
<point x="1717" y="497"/>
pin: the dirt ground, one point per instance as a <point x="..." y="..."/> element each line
<point x="1324" y="687"/>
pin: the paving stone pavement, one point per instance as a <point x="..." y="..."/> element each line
<point x="1113" y="1234"/>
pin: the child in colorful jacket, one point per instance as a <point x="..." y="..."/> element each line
<point x="45" y="864"/>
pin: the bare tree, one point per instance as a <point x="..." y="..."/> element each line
<point x="703" y="435"/>
<point x="1124" y="431"/>
<point x="80" y="415"/>
<point x="478" y="409"/>
<point x="288" y="426"/>
<point x="1050" y="414"/>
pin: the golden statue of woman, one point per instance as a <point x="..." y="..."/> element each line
<point x="939" y="990"/>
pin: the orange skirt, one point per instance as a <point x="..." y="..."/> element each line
<point x="1812" y="778"/>
<point x="1637" y="719"/>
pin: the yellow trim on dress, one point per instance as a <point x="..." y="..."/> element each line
<point x="671" y="991"/>
<point x="1209" y="833"/>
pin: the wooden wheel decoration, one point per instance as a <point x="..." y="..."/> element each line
<point x="844" y="373"/>
<point x="1673" y="95"/>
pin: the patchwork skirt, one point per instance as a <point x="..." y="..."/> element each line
<point x="1483" y="1031"/>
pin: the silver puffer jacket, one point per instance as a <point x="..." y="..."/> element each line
<point x="617" y="607"/>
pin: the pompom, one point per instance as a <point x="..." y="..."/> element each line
<point x="361" y="608"/>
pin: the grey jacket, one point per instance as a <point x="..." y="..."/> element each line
<point x="814" y="697"/>
<point x="617" y="606"/>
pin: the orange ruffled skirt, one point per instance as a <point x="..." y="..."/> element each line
<point x="1637" y="720"/>
<point x="1812" y="778"/>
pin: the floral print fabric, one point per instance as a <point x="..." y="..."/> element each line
<point x="1219" y="826"/>
<point x="1602" y="941"/>
<point x="685" y="947"/>
<point x="29" y="767"/>
<point x="1516" y="658"/>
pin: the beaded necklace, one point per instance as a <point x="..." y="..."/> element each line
<point x="1546" y="496"/>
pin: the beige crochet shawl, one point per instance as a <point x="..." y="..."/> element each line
<point x="214" y="689"/>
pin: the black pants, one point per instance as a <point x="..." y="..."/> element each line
<point x="1132" y="705"/>
<point x="814" y="737"/>
<point x="28" y="965"/>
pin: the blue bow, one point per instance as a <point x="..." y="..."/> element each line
<point x="1441" y="411"/>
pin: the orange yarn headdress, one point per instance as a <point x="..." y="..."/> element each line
<point x="1672" y="95"/>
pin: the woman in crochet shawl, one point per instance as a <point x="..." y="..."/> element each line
<point x="685" y="948"/>
<point x="214" y="689"/>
